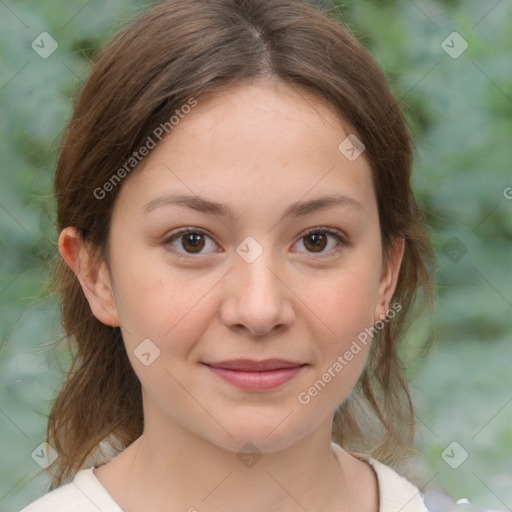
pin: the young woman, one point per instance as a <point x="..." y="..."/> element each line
<point x="240" y="250"/>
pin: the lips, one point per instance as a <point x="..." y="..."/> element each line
<point x="248" y="365"/>
<point x="251" y="375"/>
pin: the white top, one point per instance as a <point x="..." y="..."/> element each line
<point x="86" y="494"/>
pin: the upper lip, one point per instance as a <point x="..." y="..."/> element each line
<point x="250" y="365"/>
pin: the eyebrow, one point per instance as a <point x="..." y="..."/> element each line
<point x="296" y="209"/>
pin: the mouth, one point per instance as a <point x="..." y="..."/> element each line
<point x="253" y="375"/>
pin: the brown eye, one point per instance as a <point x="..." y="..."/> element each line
<point x="315" y="242"/>
<point x="318" y="239"/>
<point x="190" y="241"/>
<point x="193" y="242"/>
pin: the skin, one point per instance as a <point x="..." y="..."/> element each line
<point x="257" y="148"/>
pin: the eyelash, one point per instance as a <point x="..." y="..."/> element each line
<point x="342" y="241"/>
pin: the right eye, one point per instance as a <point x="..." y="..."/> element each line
<point x="192" y="240"/>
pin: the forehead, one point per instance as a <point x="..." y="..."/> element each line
<point x="259" y="108"/>
<point x="254" y="143"/>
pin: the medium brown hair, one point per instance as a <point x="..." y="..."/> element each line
<point x="180" y="50"/>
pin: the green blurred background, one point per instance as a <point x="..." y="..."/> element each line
<point x="459" y="108"/>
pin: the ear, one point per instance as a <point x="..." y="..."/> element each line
<point x="389" y="278"/>
<point x="92" y="274"/>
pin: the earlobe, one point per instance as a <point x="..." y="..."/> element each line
<point x="92" y="274"/>
<point x="389" y="279"/>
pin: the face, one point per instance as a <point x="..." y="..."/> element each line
<point x="272" y="270"/>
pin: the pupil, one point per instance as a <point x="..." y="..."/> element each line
<point x="193" y="239"/>
<point x="317" y="241"/>
<point x="195" y="242"/>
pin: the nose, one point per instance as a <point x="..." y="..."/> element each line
<point x="257" y="297"/>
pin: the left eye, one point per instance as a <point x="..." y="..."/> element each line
<point x="194" y="240"/>
<point x="316" y="240"/>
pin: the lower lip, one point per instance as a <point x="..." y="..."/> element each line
<point x="256" y="381"/>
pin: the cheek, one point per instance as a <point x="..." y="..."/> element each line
<point x="161" y="325"/>
<point x="343" y="351"/>
<point x="346" y="304"/>
<point x="346" y="301"/>
<point x="161" y="304"/>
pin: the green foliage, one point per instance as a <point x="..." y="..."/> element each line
<point x="459" y="110"/>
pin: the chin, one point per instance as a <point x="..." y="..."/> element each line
<point x="267" y="437"/>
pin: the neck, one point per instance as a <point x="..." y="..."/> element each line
<point x="171" y="468"/>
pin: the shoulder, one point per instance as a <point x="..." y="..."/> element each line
<point x="83" y="494"/>
<point x="396" y="492"/>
